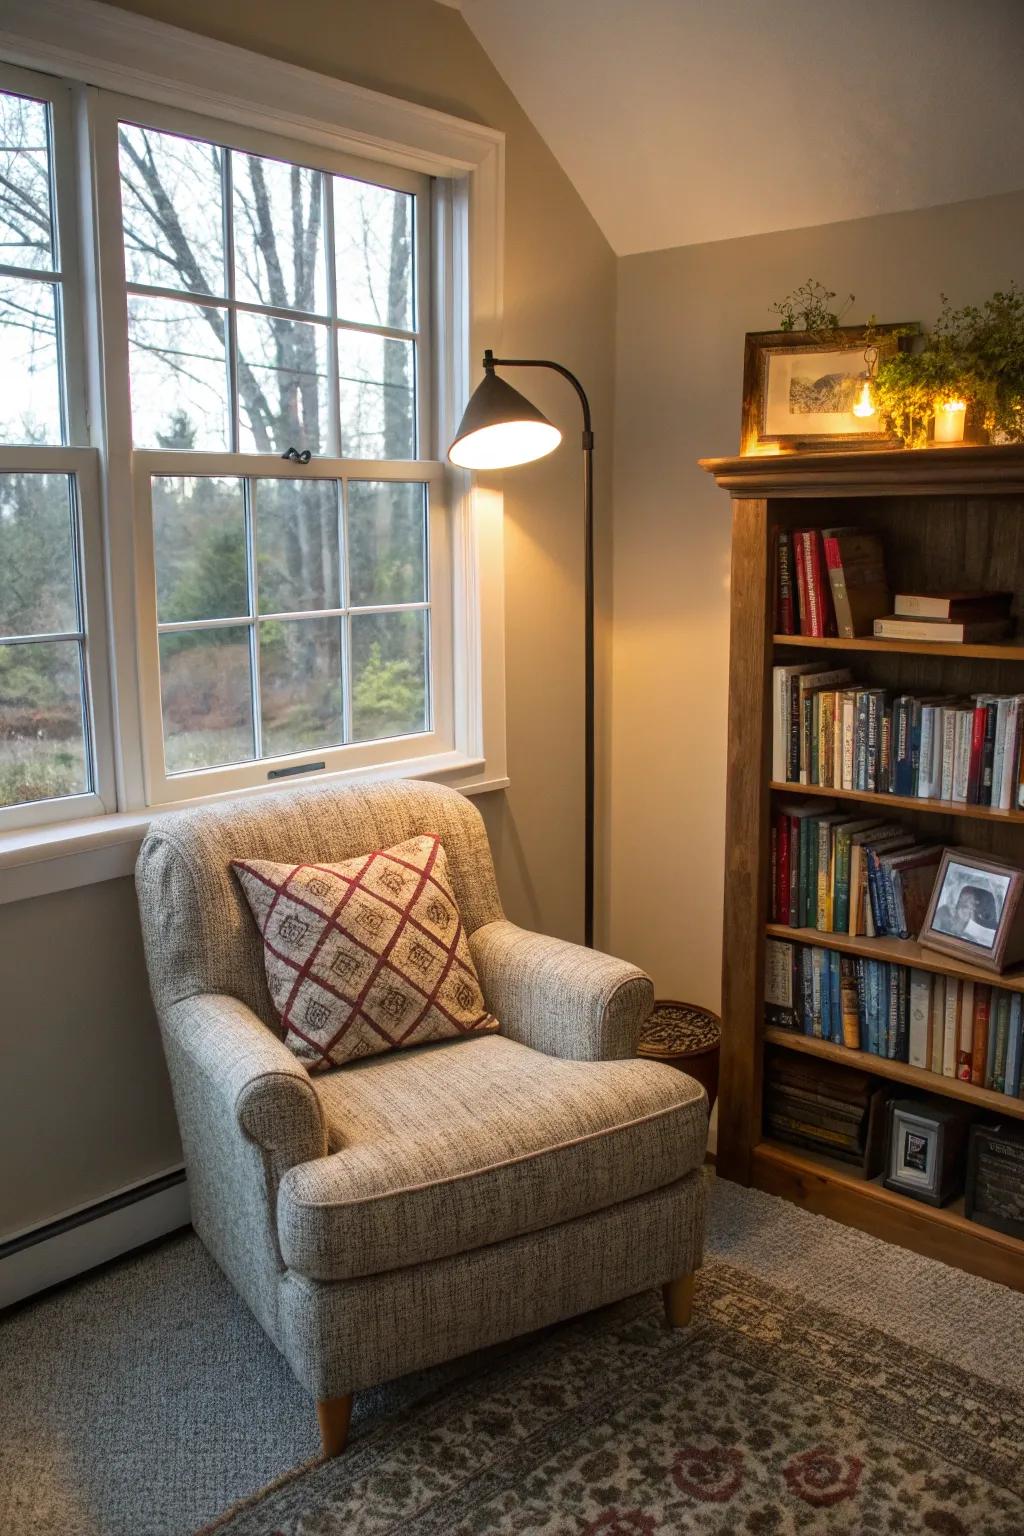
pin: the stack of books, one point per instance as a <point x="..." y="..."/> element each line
<point x="843" y="873"/>
<point x="829" y="581"/>
<point x="942" y="1024"/>
<point x="953" y="617"/>
<point x="815" y="1105"/>
<point x="830" y="731"/>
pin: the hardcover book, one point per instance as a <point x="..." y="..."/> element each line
<point x="856" y="570"/>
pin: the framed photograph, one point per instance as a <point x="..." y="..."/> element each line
<point x="923" y="1149"/>
<point x="800" y="389"/>
<point x="975" y="911"/>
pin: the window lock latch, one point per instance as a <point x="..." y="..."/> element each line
<point x="297" y="457"/>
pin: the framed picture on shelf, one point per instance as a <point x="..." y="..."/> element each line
<point x="976" y="912"/>
<point x="804" y="390"/>
<point x="923" y="1148"/>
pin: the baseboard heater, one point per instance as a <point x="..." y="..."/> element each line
<point x="34" y="1260"/>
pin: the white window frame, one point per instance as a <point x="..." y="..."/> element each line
<point x="161" y="788"/>
<point x="106" y="48"/>
<point x="74" y="459"/>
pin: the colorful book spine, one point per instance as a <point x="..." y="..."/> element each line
<point x="979" y="1046"/>
<point x="965" y="1040"/>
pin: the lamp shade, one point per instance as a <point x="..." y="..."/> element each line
<point x="500" y="428"/>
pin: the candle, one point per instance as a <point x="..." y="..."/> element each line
<point x="950" y="416"/>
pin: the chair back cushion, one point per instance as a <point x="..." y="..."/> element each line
<point x="198" y="930"/>
<point x="365" y="956"/>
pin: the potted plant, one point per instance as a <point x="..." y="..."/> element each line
<point x="967" y="374"/>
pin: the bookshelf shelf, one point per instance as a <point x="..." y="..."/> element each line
<point x="832" y="1188"/>
<point x="898" y="952"/>
<point x="1010" y="650"/>
<point x="898" y="1071"/>
<point x="904" y="802"/>
<point x="948" y="520"/>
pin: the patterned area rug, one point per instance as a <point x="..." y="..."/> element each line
<point x="768" y="1416"/>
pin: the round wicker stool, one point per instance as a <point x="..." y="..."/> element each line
<point x="686" y="1037"/>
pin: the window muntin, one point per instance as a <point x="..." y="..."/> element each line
<point x="271" y="304"/>
<point x="293" y="615"/>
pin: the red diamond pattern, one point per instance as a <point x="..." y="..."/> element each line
<point x="365" y="956"/>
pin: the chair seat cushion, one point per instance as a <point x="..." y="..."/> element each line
<point x="449" y="1147"/>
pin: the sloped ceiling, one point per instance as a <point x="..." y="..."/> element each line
<point x="682" y="121"/>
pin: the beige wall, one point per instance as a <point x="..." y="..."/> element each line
<point x="83" y="1096"/>
<point x="682" y="315"/>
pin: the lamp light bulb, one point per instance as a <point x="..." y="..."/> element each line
<point x="864" y="405"/>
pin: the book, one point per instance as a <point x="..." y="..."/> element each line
<point x="938" y="1023"/>
<point x="849" y="1002"/>
<point x="779" y="979"/>
<point x="1002" y="1042"/>
<point x="979" y="1049"/>
<point x="919" y="1034"/>
<point x="1014" y="1048"/>
<point x="786" y="616"/>
<point x="966" y="631"/>
<point x="856" y="570"/>
<point x="952" y="605"/>
<point x="964" y="1050"/>
<point x="814" y="591"/>
<point x="951" y="1027"/>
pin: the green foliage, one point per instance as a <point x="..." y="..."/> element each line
<point x="387" y="698"/>
<point x="974" y="354"/>
<point x="809" y="308"/>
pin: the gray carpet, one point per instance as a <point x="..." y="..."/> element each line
<point x="144" y="1400"/>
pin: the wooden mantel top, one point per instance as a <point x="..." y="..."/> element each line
<point x="876" y="472"/>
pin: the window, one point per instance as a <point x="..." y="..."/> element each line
<point x="48" y="761"/>
<point x="229" y="551"/>
<point x="274" y="306"/>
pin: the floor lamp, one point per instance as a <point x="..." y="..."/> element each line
<point x="501" y="428"/>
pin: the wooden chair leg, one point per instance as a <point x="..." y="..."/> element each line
<point x="335" y="1416"/>
<point x="678" y="1296"/>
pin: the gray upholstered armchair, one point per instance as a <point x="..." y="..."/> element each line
<point x="410" y="1207"/>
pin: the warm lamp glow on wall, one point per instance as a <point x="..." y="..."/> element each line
<point x="500" y="429"/>
<point x="950" y="419"/>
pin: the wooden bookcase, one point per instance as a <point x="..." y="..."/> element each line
<point x="950" y="518"/>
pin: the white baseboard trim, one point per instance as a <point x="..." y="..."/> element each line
<point x="35" y="1260"/>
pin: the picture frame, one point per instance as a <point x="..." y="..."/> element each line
<point x="924" y="1146"/>
<point x="976" y="911"/>
<point x="799" y="388"/>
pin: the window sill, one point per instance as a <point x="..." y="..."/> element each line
<point x="36" y="861"/>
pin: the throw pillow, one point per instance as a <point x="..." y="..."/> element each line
<point x="365" y="956"/>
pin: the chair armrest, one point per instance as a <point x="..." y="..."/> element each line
<point x="561" y="998"/>
<point x="233" y="1061"/>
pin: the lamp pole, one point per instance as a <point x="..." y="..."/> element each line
<point x="490" y="363"/>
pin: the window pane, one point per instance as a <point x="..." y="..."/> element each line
<point x="38" y="590"/>
<point x="178" y="374"/>
<point x="389" y="685"/>
<point x="29" y="374"/>
<point x="199" y="548"/>
<point x="26" y="213"/>
<point x="373" y="240"/>
<point x="42" y="730"/>
<point x="206" y="694"/>
<point x="386" y="536"/>
<point x="296" y="533"/>
<point x="282" y="384"/>
<point x="171" y="201"/>
<point x="300" y="684"/>
<point x="377" y="396"/>
<point x="279" y="234"/>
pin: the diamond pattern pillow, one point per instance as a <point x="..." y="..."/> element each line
<point x="365" y="956"/>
